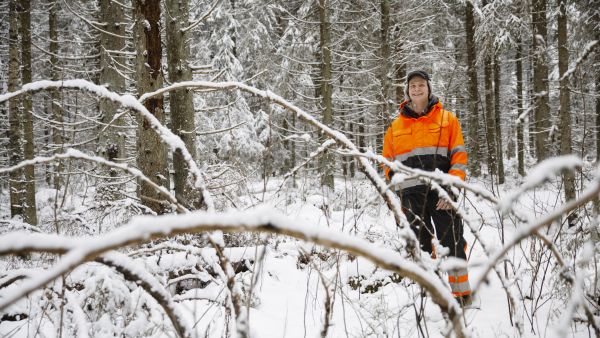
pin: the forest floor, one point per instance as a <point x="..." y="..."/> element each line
<point x="296" y="279"/>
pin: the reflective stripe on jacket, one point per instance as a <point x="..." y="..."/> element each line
<point x="429" y="141"/>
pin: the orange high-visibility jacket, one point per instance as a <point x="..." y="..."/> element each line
<point x="429" y="141"/>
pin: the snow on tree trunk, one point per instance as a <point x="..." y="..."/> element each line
<point x="14" y="115"/>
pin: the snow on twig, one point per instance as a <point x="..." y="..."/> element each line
<point x="76" y="154"/>
<point x="586" y="51"/>
<point x="544" y="171"/>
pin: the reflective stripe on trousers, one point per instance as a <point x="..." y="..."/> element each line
<point x="459" y="282"/>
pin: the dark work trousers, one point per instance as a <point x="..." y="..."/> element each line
<point x="420" y="209"/>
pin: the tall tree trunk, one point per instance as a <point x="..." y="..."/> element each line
<point x="55" y="108"/>
<point x="385" y="69"/>
<point x="598" y="97"/>
<point x="540" y="79"/>
<point x="112" y="140"/>
<point x="326" y="89"/>
<point x="520" y="136"/>
<point x="29" y="208"/>
<point x="565" y="101"/>
<point x="498" y="124"/>
<point x="489" y="115"/>
<point x="152" y="157"/>
<point x="473" y="99"/>
<point x="14" y="115"/>
<point x="181" y="101"/>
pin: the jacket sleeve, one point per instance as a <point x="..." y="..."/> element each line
<point x="458" y="152"/>
<point x="388" y="151"/>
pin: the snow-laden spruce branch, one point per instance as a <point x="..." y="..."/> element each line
<point x="262" y="220"/>
<point x="340" y="138"/>
<point x="128" y="101"/>
<point x="76" y="154"/>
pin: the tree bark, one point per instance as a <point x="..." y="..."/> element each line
<point x="16" y="185"/>
<point x="473" y="99"/>
<point x="598" y="96"/>
<point x="54" y="106"/>
<point x="540" y="79"/>
<point x="152" y="157"/>
<point x="565" y="102"/>
<point x="489" y="115"/>
<point x="385" y="68"/>
<point x="112" y="14"/>
<point x="520" y="129"/>
<point x="29" y="207"/>
<point x="498" y="124"/>
<point x="181" y="101"/>
<point x="326" y="89"/>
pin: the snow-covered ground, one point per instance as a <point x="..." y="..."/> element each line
<point x="288" y="283"/>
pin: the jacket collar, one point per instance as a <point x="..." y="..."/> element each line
<point x="408" y="112"/>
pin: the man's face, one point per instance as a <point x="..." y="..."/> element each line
<point x="417" y="89"/>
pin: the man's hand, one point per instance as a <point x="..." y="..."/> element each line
<point x="442" y="204"/>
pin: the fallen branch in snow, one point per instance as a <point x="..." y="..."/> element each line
<point x="145" y="228"/>
<point x="133" y="273"/>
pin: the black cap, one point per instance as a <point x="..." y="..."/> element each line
<point x="419" y="73"/>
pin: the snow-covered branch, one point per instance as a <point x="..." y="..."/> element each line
<point x="143" y="229"/>
<point x="128" y="101"/>
<point x="132" y="272"/>
<point x="76" y="154"/>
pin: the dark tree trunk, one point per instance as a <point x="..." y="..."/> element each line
<point x="181" y="101"/>
<point x="498" y="120"/>
<point x="15" y="132"/>
<point x="520" y="136"/>
<point x="489" y="115"/>
<point x="29" y="208"/>
<point x="565" y="102"/>
<point x="55" y="108"/>
<point x="473" y="99"/>
<point x="540" y="79"/>
<point x="152" y="158"/>
<point x="112" y="140"/>
<point x="326" y="89"/>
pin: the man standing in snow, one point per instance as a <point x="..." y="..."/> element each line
<point x="427" y="137"/>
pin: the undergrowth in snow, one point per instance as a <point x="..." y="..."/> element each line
<point x="286" y="283"/>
